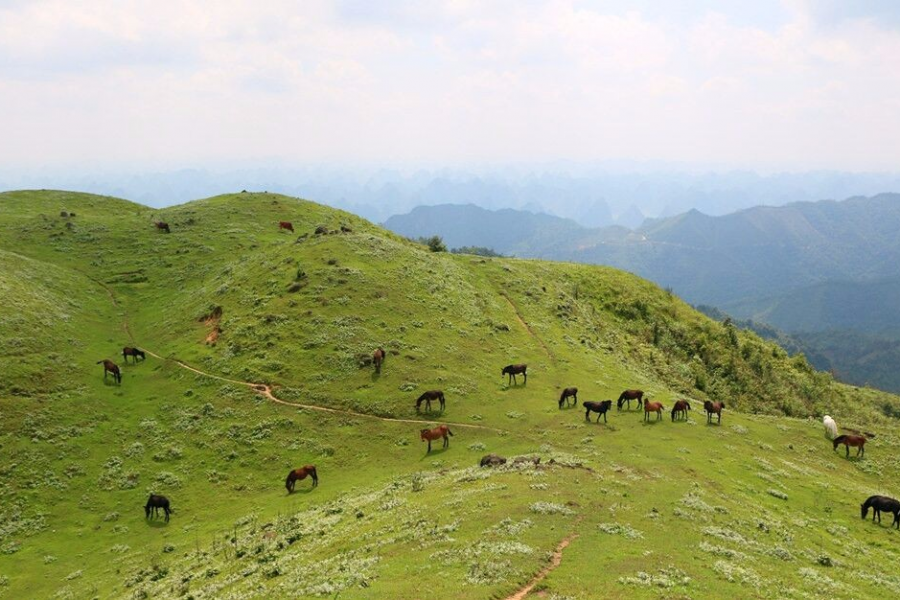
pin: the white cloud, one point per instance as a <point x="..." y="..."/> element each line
<point x="452" y="80"/>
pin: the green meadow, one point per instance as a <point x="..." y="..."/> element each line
<point x="759" y="506"/>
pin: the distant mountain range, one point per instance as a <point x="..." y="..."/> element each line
<point x="804" y="268"/>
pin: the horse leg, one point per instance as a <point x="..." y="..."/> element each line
<point x="604" y="418"/>
<point x="446" y="441"/>
<point x="429" y="445"/>
<point x="847" y="448"/>
<point x="166" y="508"/>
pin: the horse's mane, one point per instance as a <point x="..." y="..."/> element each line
<point x="840" y="439"/>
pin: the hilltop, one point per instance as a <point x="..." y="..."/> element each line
<point x="758" y="506"/>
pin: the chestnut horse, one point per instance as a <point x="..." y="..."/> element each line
<point x="568" y="393"/>
<point x="441" y="431"/>
<point x="111" y="367"/>
<point x="681" y="407"/>
<point x="851" y="440"/>
<point x="878" y="504"/>
<point x="513" y="370"/>
<point x="378" y="358"/>
<point x="601" y="408"/>
<point x="162" y="226"/>
<point x="133" y="353"/>
<point x="285" y="225"/>
<point x="650" y="407"/>
<point x="301" y="473"/>
<point x="628" y="396"/>
<point x="156" y="502"/>
<point x="427" y="397"/>
<point x="713" y="408"/>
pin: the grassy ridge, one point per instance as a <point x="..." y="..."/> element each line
<point x="751" y="507"/>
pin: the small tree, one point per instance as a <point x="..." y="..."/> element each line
<point x="435" y="243"/>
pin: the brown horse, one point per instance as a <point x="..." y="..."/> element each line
<point x="628" y="396"/>
<point x="162" y="226"/>
<point x="650" y="407"/>
<point x="427" y="397"/>
<point x="378" y="358"/>
<point x="713" y="408"/>
<point x="286" y="225"/>
<point x="851" y="440"/>
<point x="301" y="473"/>
<point x="513" y="370"/>
<point x="568" y="393"/>
<point x="681" y="407"/>
<point x="441" y="431"/>
<point x="111" y="367"/>
<point x="133" y="353"/>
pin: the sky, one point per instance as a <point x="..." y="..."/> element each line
<point x="793" y="84"/>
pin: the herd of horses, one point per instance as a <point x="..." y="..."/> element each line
<point x="568" y="397"/>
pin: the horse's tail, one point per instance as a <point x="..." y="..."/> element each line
<point x="449" y="432"/>
<point x="100" y="362"/>
<point x="687" y="405"/>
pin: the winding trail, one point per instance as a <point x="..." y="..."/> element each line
<point x="555" y="561"/>
<point x="267" y="390"/>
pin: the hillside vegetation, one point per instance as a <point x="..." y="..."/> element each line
<point x="757" y="507"/>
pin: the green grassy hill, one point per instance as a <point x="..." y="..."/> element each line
<point x="757" y="507"/>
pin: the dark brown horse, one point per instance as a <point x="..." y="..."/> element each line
<point x="628" y="396"/>
<point x="568" y="393"/>
<point x="378" y="358"/>
<point x="681" y="407"/>
<point x="441" y="431"/>
<point x="156" y="502"/>
<point x="513" y="370"/>
<point x="650" y="407"/>
<point x="111" y="367"/>
<point x="286" y="225"/>
<point x="878" y="504"/>
<point x="601" y="408"/>
<point x="301" y="473"/>
<point x="162" y="226"/>
<point x="851" y="440"/>
<point x="133" y="353"/>
<point x="427" y="397"/>
<point x="713" y="408"/>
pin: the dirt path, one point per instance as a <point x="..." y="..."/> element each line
<point x="555" y="561"/>
<point x="528" y="329"/>
<point x="266" y="390"/>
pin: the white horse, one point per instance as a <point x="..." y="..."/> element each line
<point x="830" y="427"/>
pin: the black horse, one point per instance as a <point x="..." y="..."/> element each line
<point x="513" y="370"/>
<point x="428" y="396"/>
<point x="598" y="407"/>
<point x="568" y="393"/>
<point x="134" y="353"/>
<point x="628" y="396"/>
<point x="154" y="503"/>
<point x="878" y="504"/>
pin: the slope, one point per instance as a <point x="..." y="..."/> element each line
<point x="678" y="502"/>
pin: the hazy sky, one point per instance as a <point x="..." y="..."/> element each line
<point x="787" y="84"/>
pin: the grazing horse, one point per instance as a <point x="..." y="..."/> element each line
<point x="568" y="393"/>
<point x="154" y="503"/>
<point x="133" y="353"/>
<point x="286" y="225"/>
<point x="831" y="430"/>
<point x="111" y="367"/>
<point x="427" y="397"/>
<point x="650" y="407"/>
<point x="628" y="396"/>
<point x="513" y="370"/>
<point x="301" y="473"/>
<point x="851" y="440"/>
<point x="713" y="408"/>
<point x="601" y="408"/>
<point x="878" y="504"/>
<point x="162" y="226"/>
<point x="378" y="358"/>
<point x="681" y="407"/>
<point x="441" y="431"/>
